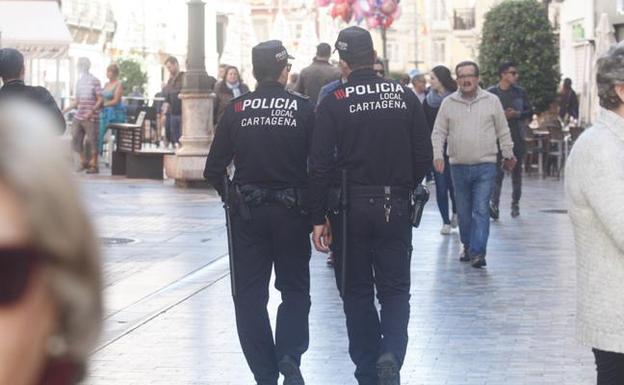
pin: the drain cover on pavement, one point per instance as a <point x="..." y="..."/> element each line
<point x="107" y="241"/>
<point x="555" y="211"/>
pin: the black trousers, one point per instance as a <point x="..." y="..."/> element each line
<point x="278" y="237"/>
<point x="516" y="182"/>
<point x="610" y="367"/>
<point x="378" y="256"/>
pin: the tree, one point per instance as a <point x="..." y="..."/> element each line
<point x="519" y="31"/>
<point x="131" y="74"/>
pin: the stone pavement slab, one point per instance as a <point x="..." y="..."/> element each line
<point x="170" y="319"/>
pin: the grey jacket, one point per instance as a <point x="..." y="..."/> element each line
<point x="471" y="128"/>
<point x="314" y="77"/>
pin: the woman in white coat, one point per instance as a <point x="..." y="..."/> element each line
<point x="595" y="189"/>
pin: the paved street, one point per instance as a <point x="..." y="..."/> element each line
<point x="169" y="315"/>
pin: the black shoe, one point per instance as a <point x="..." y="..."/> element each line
<point x="388" y="370"/>
<point x="515" y="210"/>
<point x="464" y="256"/>
<point x="494" y="212"/>
<point x="478" y="261"/>
<point x="289" y="368"/>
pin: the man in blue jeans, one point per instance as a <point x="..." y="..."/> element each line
<point x="471" y="121"/>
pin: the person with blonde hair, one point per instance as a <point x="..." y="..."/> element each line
<point x="595" y="190"/>
<point x="50" y="277"/>
<point x="114" y="110"/>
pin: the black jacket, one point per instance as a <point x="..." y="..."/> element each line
<point x="375" y="129"/>
<point x="431" y="113"/>
<point x="38" y="95"/>
<point x="568" y="104"/>
<point x="267" y="132"/>
<point x="519" y="102"/>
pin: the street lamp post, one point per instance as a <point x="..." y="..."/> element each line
<point x="384" y="44"/>
<point x="196" y="79"/>
<point x="187" y="165"/>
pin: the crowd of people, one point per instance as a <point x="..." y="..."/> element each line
<point x="338" y="152"/>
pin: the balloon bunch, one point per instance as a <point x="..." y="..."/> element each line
<point x="376" y="13"/>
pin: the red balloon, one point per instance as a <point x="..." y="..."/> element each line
<point x="372" y="22"/>
<point x="388" y="22"/>
<point x="342" y="9"/>
<point x="388" y="7"/>
<point x="347" y="15"/>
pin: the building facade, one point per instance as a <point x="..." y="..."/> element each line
<point x="152" y="30"/>
<point x="578" y="38"/>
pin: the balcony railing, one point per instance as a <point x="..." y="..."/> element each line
<point x="463" y="19"/>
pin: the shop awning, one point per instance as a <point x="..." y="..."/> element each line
<point x="36" y="28"/>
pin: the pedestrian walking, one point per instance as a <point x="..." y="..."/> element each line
<point x="114" y="110"/>
<point x="442" y="85"/>
<point x="88" y="100"/>
<point x="471" y="120"/>
<point x="173" y="104"/>
<point x="316" y="75"/>
<point x="231" y="86"/>
<point x="379" y="68"/>
<point x="595" y="190"/>
<point x="568" y="101"/>
<point x="518" y="109"/>
<point x="419" y="86"/>
<point x="267" y="134"/>
<point x="373" y="130"/>
<point x="12" y="72"/>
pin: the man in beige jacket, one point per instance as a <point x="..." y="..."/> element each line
<point x="471" y="121"/>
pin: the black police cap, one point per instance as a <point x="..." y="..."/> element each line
<point x="354" y="42"/>
<point x="269" y="54"/>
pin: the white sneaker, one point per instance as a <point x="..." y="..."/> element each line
<point x="454" y="221"/>
<point x="446" y="230"/>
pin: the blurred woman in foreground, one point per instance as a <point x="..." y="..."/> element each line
<point x="595" y="189"/>
<point x="50" y="283"/>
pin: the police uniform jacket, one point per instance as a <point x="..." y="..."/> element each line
<point x="267" y="132"/>
<point x="374" y="128"/>
<point x="38" y="95"/>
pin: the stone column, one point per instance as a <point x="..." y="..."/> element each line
<point x="187" y="165"/>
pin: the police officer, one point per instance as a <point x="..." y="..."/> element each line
<point x="12" y="73"/>
<point x="267" y="132"/>
<point x="375" y="129"/>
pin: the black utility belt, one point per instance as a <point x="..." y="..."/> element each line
<point x="256" y="196"/>
<point x="378" y="192"/>
<point x="417" y="198"/>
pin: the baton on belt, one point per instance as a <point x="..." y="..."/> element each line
<point x="228" y="225"/>
<point x="343" y="207"/>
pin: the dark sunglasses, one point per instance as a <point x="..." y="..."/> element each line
<point x="288" y="67"/>
<point x="16" y="267"/>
